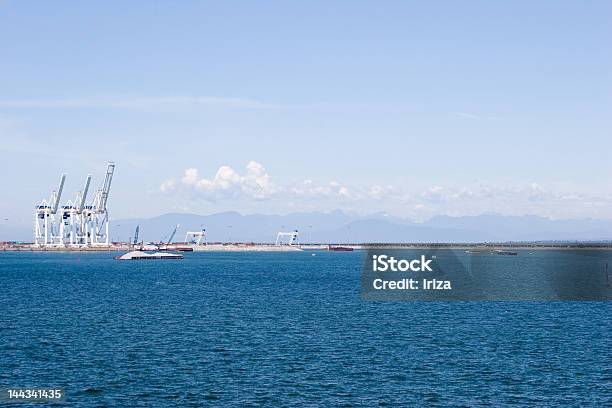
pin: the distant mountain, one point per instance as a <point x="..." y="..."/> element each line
<point x="232" y="226"/>
<point x="340" y="227"/>
<point x="527" y="227"/>
<point x="381" y="231"/>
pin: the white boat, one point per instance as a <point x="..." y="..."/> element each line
<point x="138" y="255"/>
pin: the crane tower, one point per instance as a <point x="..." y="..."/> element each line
<point x="46" y="226"/>
<point x="96" y="215"/>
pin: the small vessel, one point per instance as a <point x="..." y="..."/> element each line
<point x="504" y="252"/>
<point x="138" y="255"/>
<point x="339" y="248"/>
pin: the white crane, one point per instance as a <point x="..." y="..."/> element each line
<point x="82" y="196"/>
<point x="136" y="234"/>
<point x="73" y="229"/>
<point x="197" y="236"/>
<point x="173" y="234"/>
<point x="46" y="227"/>
<point x="102" y="195"/>
<point x="76" y="224"/>
<point x="293" y="237"/>
<point x="96" y="215"/>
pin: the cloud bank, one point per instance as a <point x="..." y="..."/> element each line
<point x="255" y="184"/>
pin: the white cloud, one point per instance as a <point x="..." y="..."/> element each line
<point x="308" y="189"/>
<point x="167" y="186"/>
<point x="135" y="102"/>
<point x="435" y="193"/>
<point x="128" y="102"/>
<point x="255" y="184"/>
<point x="173" y="102"/>
<point x="226" y="183"/>
<point x="379" y="193"/>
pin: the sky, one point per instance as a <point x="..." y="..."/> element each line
<point x="411" y="108"/>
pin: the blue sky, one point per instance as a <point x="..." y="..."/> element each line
<point x="413" y="108"/>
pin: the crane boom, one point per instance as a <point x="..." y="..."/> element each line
<point x="57" y="196"/>
<point x="81" y="203"/>
<point x="173" y="233"/>
<point x="110" y="169"/>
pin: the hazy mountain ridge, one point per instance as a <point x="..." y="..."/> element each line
<point x="338" y="226"/>
<point x="341" y="227"/>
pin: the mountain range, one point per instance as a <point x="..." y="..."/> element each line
<point x="341" y="227"/>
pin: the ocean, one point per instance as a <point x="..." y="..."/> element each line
<point x="283" y="329"/>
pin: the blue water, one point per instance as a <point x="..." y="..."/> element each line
<point x="283" y="329"/>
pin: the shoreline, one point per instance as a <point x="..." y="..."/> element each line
<point x="267" y="247"/>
